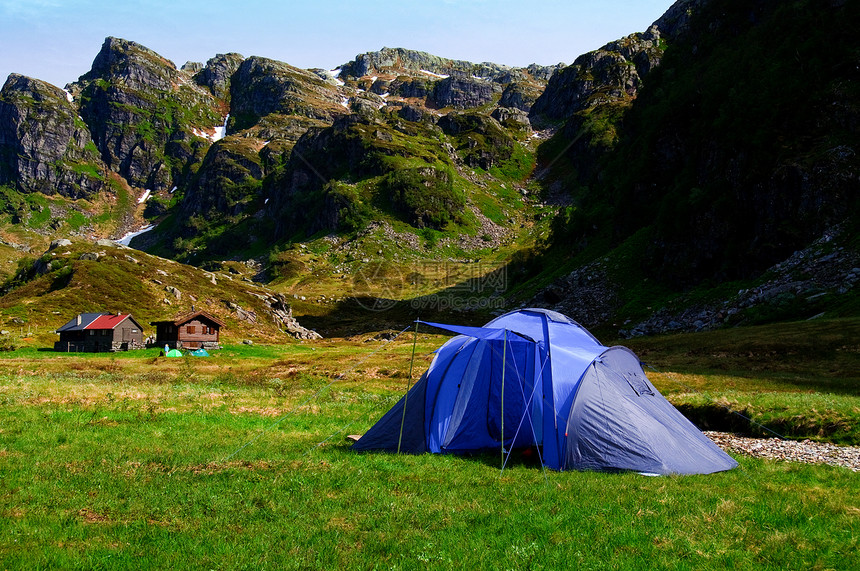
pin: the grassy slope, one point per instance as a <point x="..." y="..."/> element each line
<point x="127" y="280"/>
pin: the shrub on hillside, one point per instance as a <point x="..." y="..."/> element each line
<point x="424" y="196"/>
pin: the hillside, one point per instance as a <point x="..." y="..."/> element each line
<point x="649" y="186"/>
<point x="73" y="277"/>
<point x="735" y="160"/>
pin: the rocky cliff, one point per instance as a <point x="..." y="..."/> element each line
<point x="217" y="74"/>
<point x="464" y="92"/>
<point x="262" y="86"/>
<point x="399" y="60"/>
<point x="44" y="145"/>
<point x="299" y="142"/>
<point x="610" y="74"/>
<point x="738" y="176"/>
<point x="214" y="141"/>
<point x="145" y="115"/>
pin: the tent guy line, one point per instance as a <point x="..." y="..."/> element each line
<point x="728" y="408"/>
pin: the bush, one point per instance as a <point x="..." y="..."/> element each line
<point x="424" y="196"/>
<point x="350" y="212"/>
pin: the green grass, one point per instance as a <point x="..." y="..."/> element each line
<point x="116" y="469"/>
<point x="240" y="461"/>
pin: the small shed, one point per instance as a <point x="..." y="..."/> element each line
<point x="100" y="332"/>
<point x="192" y="331"/>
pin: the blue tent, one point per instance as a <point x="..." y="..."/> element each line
<point x="536" y="378"/>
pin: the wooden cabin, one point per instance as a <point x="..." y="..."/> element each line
<point x="193" y="331"/>
<point x="100" y="332"/>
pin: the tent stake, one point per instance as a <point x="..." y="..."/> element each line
<point x="408" y="382"/>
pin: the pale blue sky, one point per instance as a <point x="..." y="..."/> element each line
<point x="56" y="40"/>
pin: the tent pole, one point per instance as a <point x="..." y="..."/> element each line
<point x="504" y="354"/>
<point x="408" y="382"/>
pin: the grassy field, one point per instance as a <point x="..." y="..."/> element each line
<point x="240" y="461"/>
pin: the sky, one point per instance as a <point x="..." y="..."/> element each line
<point x="57" y="40"/>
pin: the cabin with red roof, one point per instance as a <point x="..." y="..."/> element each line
<point x="195" y="330"/>
<point x="100" y="332"/>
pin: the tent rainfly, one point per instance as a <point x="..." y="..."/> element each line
<point x="536" y="378"/>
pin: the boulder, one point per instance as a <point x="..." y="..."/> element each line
<point x="59" y="243"/>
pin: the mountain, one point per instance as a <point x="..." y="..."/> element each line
<point x="736" y="152"/>
<point x="642" y="183"/>
<point x="242" y="157"/>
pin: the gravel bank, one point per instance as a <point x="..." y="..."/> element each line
<point x="790" y="450"/>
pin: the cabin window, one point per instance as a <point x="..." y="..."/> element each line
<point x="190" y="329"/>
<point x="92" y="332"/>
<point x="104" y="332"/>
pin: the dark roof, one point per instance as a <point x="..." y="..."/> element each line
<point x="178" y="321"/>
<point x="79" y="325"/>
<point x="97" y="321"/>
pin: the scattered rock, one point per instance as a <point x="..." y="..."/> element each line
<point x="589" y="295"/>
<point x="820" y="270"/>
<point x="59" y="243"/>
<point x="804" y="451"/>
<point x="280" y="310"/>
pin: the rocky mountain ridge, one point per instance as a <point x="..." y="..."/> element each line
<point x="399" y="61"/>
<point x="216" y="133"/>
